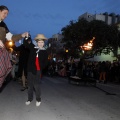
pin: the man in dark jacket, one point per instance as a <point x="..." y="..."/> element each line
<point x="22" y="64"/>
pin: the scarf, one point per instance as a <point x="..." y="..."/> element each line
<point x="38" y="49"/>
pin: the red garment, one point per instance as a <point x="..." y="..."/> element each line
<point x="37" y="63"/>
<point x="5" y="65"/>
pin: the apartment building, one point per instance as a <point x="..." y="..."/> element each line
<point x="111" y="18"/>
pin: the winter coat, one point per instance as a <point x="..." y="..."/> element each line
<point x="42" y="56"/>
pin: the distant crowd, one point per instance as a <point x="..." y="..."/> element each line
<point x="102" y="71"/>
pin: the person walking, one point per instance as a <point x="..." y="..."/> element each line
<point x="37" y="61"/>
<point x="102" y="70"/>
<point x="22" y="65"/>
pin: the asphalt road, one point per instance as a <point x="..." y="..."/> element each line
<point x="61" y="101"/>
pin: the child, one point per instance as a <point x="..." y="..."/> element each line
<point x="37" y="61"/>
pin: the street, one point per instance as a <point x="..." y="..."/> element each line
<point x="61" y="101"/>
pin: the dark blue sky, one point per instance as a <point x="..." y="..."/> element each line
<point x="50" y="16"/>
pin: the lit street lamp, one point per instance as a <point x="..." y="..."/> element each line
<point x="66" y="51"/>
<point x="10" y="43"/>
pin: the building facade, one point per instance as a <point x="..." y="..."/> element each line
<point x="56" y="46"/>
<point x="111" y="18"/>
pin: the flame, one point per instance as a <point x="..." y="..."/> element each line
<point x="88" y="46"/>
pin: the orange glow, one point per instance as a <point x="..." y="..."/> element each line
<point x="10" y="43"/>
<point x="66" y="51"/>
<point x="88" y="46"/>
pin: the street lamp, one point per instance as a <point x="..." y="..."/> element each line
<point x="10" y="43"/>
<point x="66" y="51"/>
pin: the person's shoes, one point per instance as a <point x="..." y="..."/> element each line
<point x="28" y="102"/>
<point x="38" y="103"/>
<point x="14" y="79"/>
<point x="99" y="81"/>
<point x="24" y="88"/>
<point x="105" y="82"/>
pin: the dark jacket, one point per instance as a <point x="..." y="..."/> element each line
<point x="2" y="24"/>
<point x="42" y="56"/>
<point x="24" y="54"/>
<point x="14" y="37"/>
<point x="103" y="67"/>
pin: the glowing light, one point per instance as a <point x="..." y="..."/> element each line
<point x="88" y="46"/>
<point x="10" y="43"/>
<point x="66" y="51"/>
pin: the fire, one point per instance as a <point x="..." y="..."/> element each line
<point x="88" y="46"/>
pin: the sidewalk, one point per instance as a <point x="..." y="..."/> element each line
<point x="109" y="88"/>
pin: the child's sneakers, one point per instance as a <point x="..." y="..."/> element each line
<point x="38" y="103"/>
<point x="28" y="102"/>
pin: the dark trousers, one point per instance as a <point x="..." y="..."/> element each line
<point x="34" y="83"/>
<point x="22" y="67"/>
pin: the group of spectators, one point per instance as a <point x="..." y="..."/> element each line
<point x="102" y="71"/>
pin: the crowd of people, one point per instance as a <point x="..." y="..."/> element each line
<point x="102" y="71"/>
